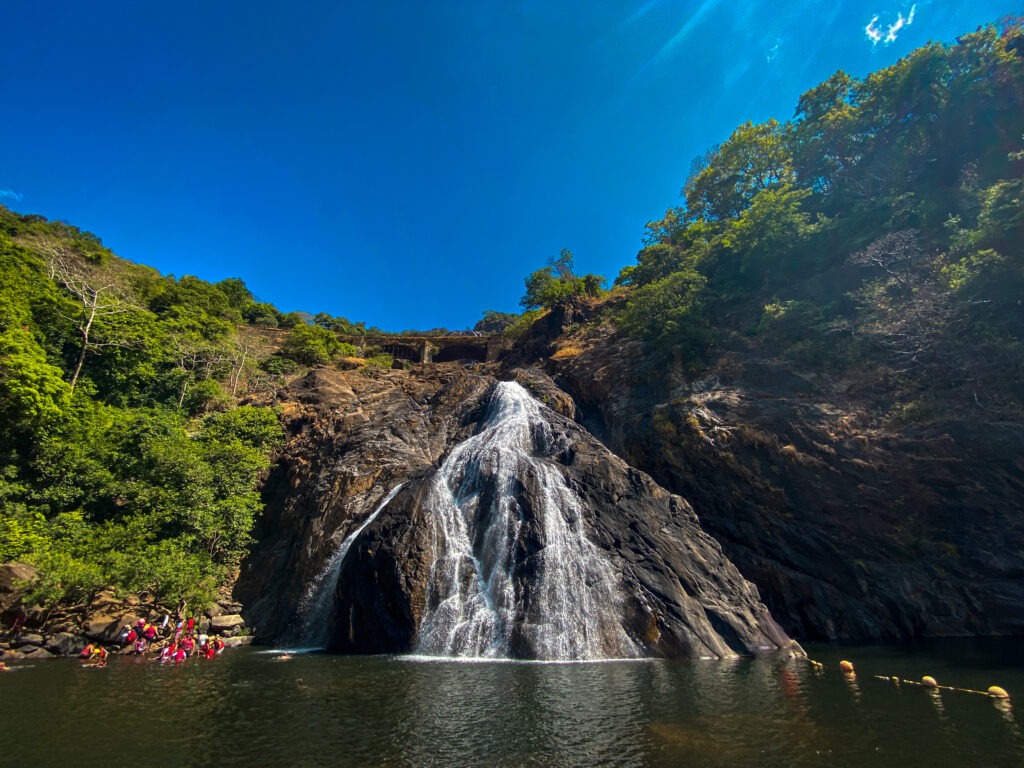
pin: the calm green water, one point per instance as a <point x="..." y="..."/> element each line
<point x="247" y="709"/>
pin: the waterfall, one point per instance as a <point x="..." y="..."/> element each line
<point x="514" y="573"/>
<point x="317" y="602"/>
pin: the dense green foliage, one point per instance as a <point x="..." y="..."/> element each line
<point x="310" y="345"/>
<point x="122" y="462"/>
<point x="494" y="322"/>
<point x="884" y="220"/>
<point x="557" y="283"/>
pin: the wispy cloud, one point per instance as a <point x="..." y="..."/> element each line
<point x="682" y="33"/>
<point x="874" y="31"/>
<point x="9" y="194"/>
<point x="640" y="12"/>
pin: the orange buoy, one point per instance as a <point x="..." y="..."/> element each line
<point x="846" y="666"/>
<point x="929" y="682"/>
<point x="997" y="693"/>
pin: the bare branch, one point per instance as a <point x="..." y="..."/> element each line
<point x="99" y="294"/>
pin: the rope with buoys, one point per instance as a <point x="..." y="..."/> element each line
<point x="847" y="668"/>
<point x="994" y="691"/>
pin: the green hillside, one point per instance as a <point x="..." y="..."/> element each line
<point x="884" y="221"/>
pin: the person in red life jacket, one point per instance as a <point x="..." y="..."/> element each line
<point x="187" y="643"/>
<point x="210" y="651"/>
<point x="167" y="654"/>
<point x="140" y="646"/>
<point x="18" y="625"/>
<point x="180" y="655"/>
<point x="130" y="635"/>
<point x="87" y="651"/>
<point x="149" y="632"/>
<point x="218" y="644"/>
<point x="190" y="625"/>
<point x="99" y="656"/>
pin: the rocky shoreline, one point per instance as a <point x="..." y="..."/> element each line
<point x="29" y="633"/>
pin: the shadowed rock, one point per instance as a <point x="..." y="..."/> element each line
<point x="656" y="583"/>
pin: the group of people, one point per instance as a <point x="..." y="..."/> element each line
<point x="181" y="647"/>
<point x="94" y="655"/>
<point x="139" y="638"/>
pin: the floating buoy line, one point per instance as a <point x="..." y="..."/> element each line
<point x="929" y="682"/>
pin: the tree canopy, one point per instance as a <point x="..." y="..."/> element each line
<point x="777" y="213"/>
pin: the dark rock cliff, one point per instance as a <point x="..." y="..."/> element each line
<point x="854" y="526"/>
<point x="354" y="439"/>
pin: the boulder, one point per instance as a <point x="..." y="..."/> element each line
<point x="12" y="579"/>
<point x="106" y="625"/>
<point x="235" y="642"/>
<point x="65" y="643"/>
<point x="37" y="653"/>
<point x="26" y="638"/>
<point x="225" y="622"/>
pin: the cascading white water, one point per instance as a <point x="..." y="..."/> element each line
<point x="489" y="595"/>
<point x="318" y="599"/>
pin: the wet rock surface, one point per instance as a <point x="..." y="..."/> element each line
<point x="853" y="525"/>
<point x="354" y="439"/>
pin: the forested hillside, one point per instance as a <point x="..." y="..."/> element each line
<point x="883" y="222"/>
<point x="123" y="459"/>
<point x="821" y="349"/>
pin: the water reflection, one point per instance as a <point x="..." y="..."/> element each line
<point x="246" y="709"/>
<point x="523" y="714"/>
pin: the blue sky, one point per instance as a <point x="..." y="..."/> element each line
<point x="404" y="164"/>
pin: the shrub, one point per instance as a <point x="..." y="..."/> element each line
<point x="380" y="362"/>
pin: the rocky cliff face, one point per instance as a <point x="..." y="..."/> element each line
<point x="469" y="555"/>
<point x="854" y="525"/>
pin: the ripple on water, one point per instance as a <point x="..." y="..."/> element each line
<point x="243" y="709"/>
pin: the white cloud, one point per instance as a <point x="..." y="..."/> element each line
<point x="875" y="34"/>
<point x="9" y="194"/>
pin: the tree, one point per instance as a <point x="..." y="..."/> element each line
<point x="494" y="322"/>
<point x="667" y="312"/>
<point x="765" y="239"/>
<point x="236" y="292"/>
<point x="753" y="159"/>
<point x="556" y="284"/>
<point x="310" y="345"/>
<point x="99" y="294"/>
<point x="31" y="390"/>
<point x="826" y="147"/>
<point x="263" y="314"/>
<point x="196" y="359"/>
